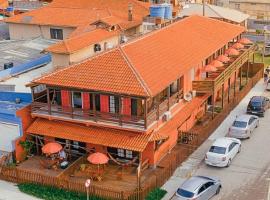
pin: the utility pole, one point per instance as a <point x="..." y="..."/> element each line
<point x="203" y="7"/>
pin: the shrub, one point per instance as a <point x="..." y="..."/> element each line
<point x="52" y="193"/>
<point x="156" y="194"/>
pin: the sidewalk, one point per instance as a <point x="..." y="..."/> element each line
<point x="193" y="162"/>
<point x="9" y="191"/>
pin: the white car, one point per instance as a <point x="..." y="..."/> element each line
<point x="243" y="126"/>
<point x="222" y="152"/>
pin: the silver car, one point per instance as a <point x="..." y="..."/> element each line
<point x="199" y="188"/>
<point x="243" y="126"/>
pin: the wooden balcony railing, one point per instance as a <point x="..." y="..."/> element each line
<point x="212" y="83"/>
<point x="87" y="115"/>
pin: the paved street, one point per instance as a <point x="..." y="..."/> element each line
<point x="9" y="191"/>
<point x="247" y="177"/>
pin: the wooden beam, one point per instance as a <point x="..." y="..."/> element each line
<point x="145" y="113"/>
<point x="234" y="86"/>
<point x="71" y="102"/>
<point x="168" y="97"/>
<point x="247" y="73"/>
<point x="49" y="101"/>
<point x="229" y="88"/>
<point x="222" y="96"/>
<point x="240" y="78"/>
<point x="120" y="110"/>
<point x="213" y="103"/>
<point x="94" y="107"/>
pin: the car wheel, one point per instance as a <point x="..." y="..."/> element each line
<point x="229" y="163"/>
<point x="257" y="125"/>
<point x="218" y="190"/>
<point x="239" y="149"/>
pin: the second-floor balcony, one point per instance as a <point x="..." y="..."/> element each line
<point x="216" y="79"/>
<point x="140" y="120"/>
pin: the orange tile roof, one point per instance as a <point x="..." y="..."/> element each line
<point x="77" y="12"/>
<point x="94" y="135"/>
<point x="177" y="120"/>
<point x="3" y="4"/>
<point x="149" y="64"/>
<point x="106" y="72"/>
<point x="81" y="41"/>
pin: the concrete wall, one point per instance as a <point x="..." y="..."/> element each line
<point x="27" y="31"/>
<point x="65" y="60"/>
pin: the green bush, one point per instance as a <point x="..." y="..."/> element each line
<point x="156" y="194"/>
<point x="52" y="193"/>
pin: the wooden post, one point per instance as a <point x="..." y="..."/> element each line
<point x="94" y="107"/>
<point x="139" y="175"/>
<point x="234" y="87"/>
<point x="49" y="101"/>
<point x="120" y="110"/>
<point x="145" y="113"/>
<point x="240" y="78"/>
<point x="222" y="96"/>
<point x="229" y="88"/>
<point x="168" y="96"/>
<point x="178" y="90"/>
<point x="213" y="103"/>
<point x="32" y="94"/>
<point x="71" y="106"/>
<point x="247" y="75"/>
<point x="36" y="140"/>
<point x="158" y="102"/>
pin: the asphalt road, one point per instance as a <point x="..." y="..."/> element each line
<point x="248" y="176"/>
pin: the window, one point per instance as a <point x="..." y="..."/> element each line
<point x="134" y="107"/>
<point x="208" y="184"/>
<point x="129" y="154"/>
<point x="97" y="101"/>
<point x="218" y="150"/>
<point x="56" y="34"/>
<point x="121" y="153"/>
<point x="232" y="145"/>
<point x="239" y="124"/>
<point x="202" y="189"/>
<point x="114" y="104"/>
<point x="237" y="6"/>
<point x="77" y="99"/>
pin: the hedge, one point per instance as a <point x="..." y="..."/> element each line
<point x="156" y="194"/>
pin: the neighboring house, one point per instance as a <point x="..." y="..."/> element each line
<point x="14" y="119"/>
<point x="217" y="12"/>
<point x="257" y="9"/>
<point x="59" y="19"/>
<point x="128" y="101"/>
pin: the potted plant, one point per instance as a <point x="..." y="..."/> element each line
<point x="27" y="146"/>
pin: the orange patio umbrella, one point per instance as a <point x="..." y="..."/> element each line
<point x="232" y="52"/>
<point x="98" y="158"/>
<point x="237" y="46"/>
<point x="209" y="68"/>
<point x="216" y="63"/>
<point x="245" y="41"/>
<point x="51" y="148"/>
<point x="223" y="58"/>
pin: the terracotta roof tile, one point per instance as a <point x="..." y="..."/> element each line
<point x="81" y="41"/>
<point x="108" y="72"/>
<point x="77" y="12"/>
<point x="95" y="135"/>
<point x="149" y="64"/>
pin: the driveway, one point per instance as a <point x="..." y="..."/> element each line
<point x="247" y="177"/>
<point x="9" y="191"/>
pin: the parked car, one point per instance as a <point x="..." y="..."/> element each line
<point x="199" y="188"/>
<point x="258" y="105"/>
<point x="243" y="126"/>
<point x="222" y="152"/>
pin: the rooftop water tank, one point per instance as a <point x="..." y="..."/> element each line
<point x="10" y="9"/>
<point x="157" y="11"/>
<point x="168" y="11"/>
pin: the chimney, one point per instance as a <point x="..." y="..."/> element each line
<point x="130" y="12"/>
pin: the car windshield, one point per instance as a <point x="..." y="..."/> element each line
<point x="185" y="193"/>
<point x="218" y="150"/>
<point x="240" y="124"/>
<point x="256" y="103"/>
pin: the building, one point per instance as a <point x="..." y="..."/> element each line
<point x="216" y="12"/>
<point x="14" y="119"/>
<point x="83" y="28"/>
<point x="257" y="9"/>
<point x="66" y="17"/>
<point x="131" y="101"/>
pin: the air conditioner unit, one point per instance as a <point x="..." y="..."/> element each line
<point x="194" y="92"/>
<point x="167" y="115"/>
<point x="188" y="96"/>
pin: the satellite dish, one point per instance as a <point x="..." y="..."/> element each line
<point x="188" y="96"/>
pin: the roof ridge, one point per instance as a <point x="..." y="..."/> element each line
<point x="136" y="73"/>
